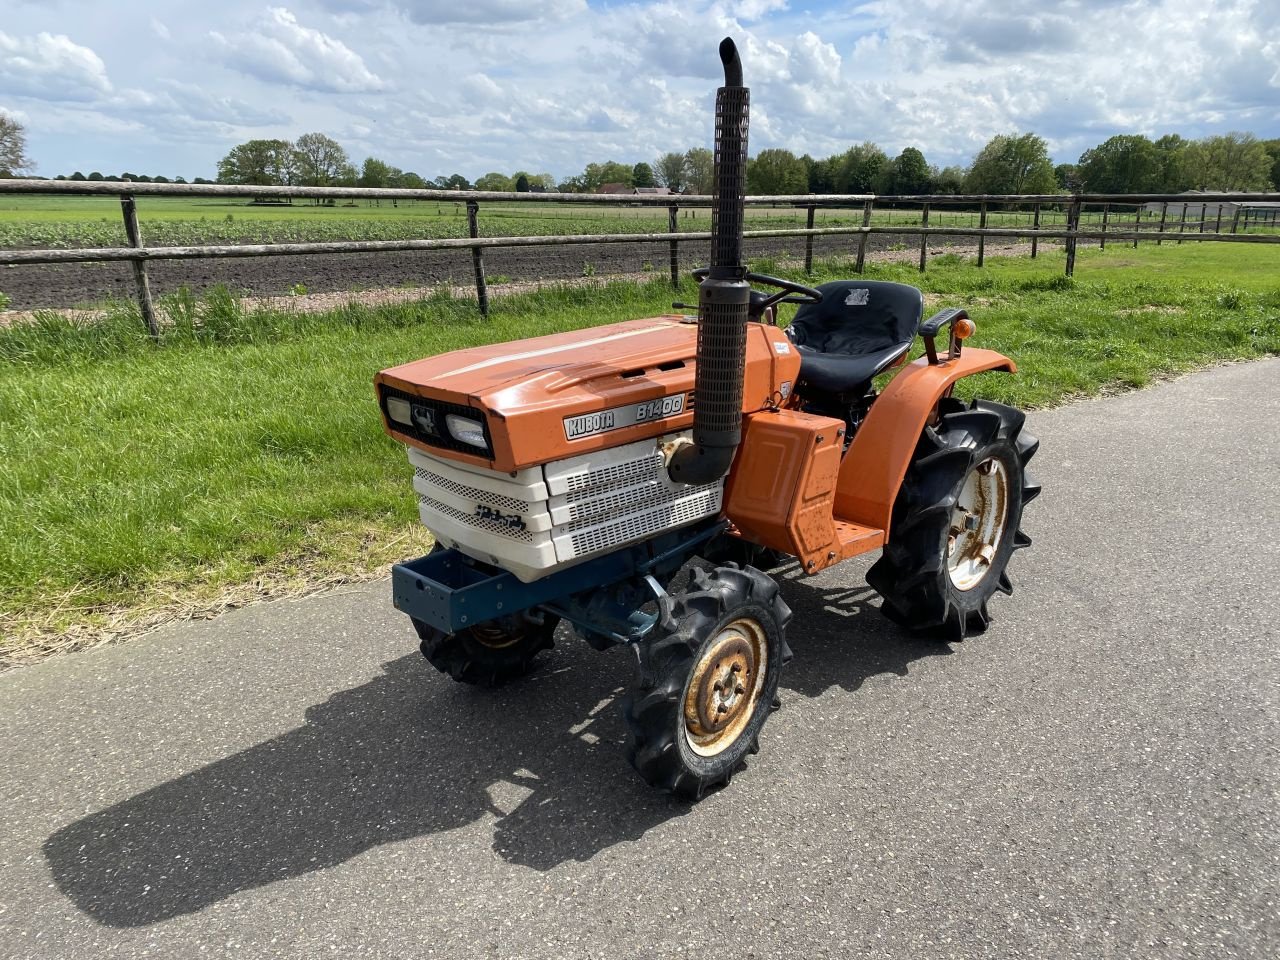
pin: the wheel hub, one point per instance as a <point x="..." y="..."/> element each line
<point x="977" y="523"/>
<point x="724" y="688"/>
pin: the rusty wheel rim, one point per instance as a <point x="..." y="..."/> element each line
<point x="724" y="688"/>
<point x="494" y="637"/>
<point x="977" y="524"/>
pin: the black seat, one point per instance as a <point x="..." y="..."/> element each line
<point x="859" y="329"/>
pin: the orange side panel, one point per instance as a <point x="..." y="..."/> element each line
<point x="880" y="453"/>
<point x="781" y="491"/>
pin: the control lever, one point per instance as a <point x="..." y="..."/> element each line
<point x="684" y="306"/>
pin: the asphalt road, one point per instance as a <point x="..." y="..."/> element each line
<point x="1095" y="777"/>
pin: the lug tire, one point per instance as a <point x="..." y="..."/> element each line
<point x="920" y="589"/>
<point x="490" y="654"/>
<point x="706" y="622"/>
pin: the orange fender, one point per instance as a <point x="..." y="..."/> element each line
<point x="881" y="451"/>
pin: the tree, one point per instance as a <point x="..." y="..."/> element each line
<point x="262" y="162"/>
<point x="598" y="174"/>
<point x="95" y="175"/>
<point x="1231" y="161"/>
<point x="1067" y="176"/>
<point x="642" y="175"/>
<point x="13" y="148"/>
<point x="77" y="176"/>
<point x="1128" y="163"/>
<point x="411" y="181"/>
<point x="375" y="173"/>
<point x="775" y="172"/>
<point x="495" y="181"/>
<point x="948" y="179"/>
<point x="908" y="174"/>
<point x="453" y="182"/>
<point x="670" y="171"/>
<point x="859" y="169"/>
<point x="320" y="160"/>
<point x="522" y="182"/>
<point x="1171" y="155"/>
<point x="1273" y="150"/>
<point x="1012" y="165"/>
<point x="699" y="165"/>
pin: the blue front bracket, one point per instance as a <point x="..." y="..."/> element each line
<point x="450" y="591"/>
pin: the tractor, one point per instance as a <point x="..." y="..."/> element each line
<point x="636" y="480"/>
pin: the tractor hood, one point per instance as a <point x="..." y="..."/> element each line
<point x="551" y="397"/>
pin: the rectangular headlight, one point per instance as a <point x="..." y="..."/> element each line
<point x="466" y="430"/>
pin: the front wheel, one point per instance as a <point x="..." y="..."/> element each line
<point x="955" y="523"/>
<point x="710" y="680"/>
<point x="488" y="654"/>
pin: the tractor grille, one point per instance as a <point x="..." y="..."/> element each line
<point x="549" y="517"/>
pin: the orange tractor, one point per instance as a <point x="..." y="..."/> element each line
<point x="632" y="480"/>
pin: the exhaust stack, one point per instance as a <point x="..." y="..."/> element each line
<point x="723" y="297"/>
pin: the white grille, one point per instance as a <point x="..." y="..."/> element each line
<point x="553" y="516"/>
<point x="433" y="479"/>
<point x="638" y="526"/>
<point x="426" y="504"/>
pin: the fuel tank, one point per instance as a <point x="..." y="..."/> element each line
<point x="509" y="406"/>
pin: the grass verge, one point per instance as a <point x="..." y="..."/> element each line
<point x="242" y="456"/>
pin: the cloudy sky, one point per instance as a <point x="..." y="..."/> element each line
<point x="469" y="86"/>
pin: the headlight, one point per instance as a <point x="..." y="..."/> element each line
<point x="400" y="410"/>
<point x="466" y="430"/>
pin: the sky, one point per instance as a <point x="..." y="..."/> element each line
<point x="472" y="86"/>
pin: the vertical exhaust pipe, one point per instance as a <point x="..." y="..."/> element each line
<point x="723" y="297"/>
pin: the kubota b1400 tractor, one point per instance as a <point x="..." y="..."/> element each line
<point x="633" y="479"/>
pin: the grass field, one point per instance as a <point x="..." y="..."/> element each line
<point x="52" y="221"/>
<point x="243" y="455"/>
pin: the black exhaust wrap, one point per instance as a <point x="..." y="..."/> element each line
<point x="723" y="296"/>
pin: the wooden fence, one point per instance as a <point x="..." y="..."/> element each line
<point x="1086" y="217"/>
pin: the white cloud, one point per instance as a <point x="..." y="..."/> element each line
<point x="478" y="13"/>
<point x="51" y="67"/>
<point x="160" y="30"/>
<point x="278" y="49"/>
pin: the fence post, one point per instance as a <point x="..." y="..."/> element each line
<point x="1182" y="222"/>
<point x="1106" y="215"/>
<point x="673" y="213"/>
<point x="477" y="257"/>
<point x="1137" y="225"/>
<point x="924" y="237"/>
<point x="862" y="239"/>
<point x="982" y="237"/>
<point x="145" y="306"/>
<point x="1073" y="224"/>
<point x="1235" y="218"/>
<point x="808" y="243"/>
<point x="1217" y="227"/>
<point x="1035" y="225"/>
<point x="1164" y="215"/>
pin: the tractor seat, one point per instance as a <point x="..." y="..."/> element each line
<point x="859" y="329"/>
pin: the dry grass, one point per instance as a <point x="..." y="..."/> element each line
<point x="331" y="556"/>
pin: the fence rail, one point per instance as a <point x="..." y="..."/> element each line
<point x="1257" y="208"/>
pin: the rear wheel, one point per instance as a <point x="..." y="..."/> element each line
<point x="488" y="654"/>
<point x="710" y="680"/>
<point x="956" y="521"/>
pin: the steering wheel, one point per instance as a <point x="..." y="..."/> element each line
<point x="788" y="292"/>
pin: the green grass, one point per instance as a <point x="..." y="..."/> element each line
<point x="246" y="447"/>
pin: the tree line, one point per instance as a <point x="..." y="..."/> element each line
<point x="1007" y="164"/>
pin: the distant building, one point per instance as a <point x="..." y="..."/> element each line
<point x="627" y="190"/>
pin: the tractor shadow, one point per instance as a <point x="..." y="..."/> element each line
<point x="838" y="635"/>
<point x="409" y="755"/>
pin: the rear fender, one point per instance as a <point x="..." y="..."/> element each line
<point x="881" y="451"/>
